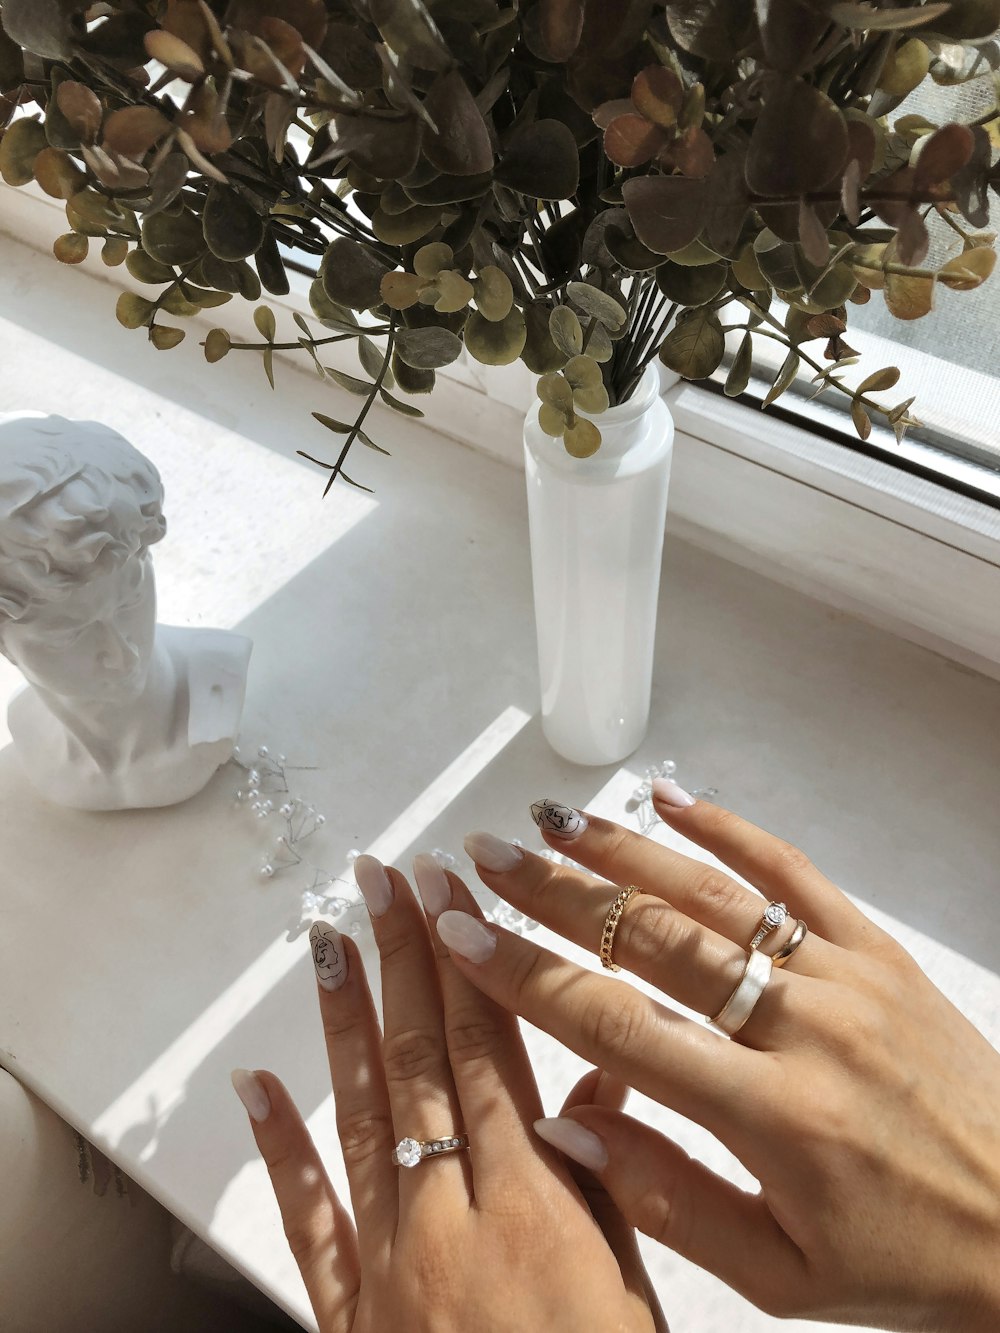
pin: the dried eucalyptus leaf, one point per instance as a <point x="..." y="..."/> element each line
<point x="739" y="372"/>
<point x="908" y="297"/>
<point x="114" y="251"/>
<point x="712" y="29"/>
<point x="21" y="144"/>
<point x="408" y="28"/>
<point x="941" y="155"/>
<point x="540" y="354"/>
<point x="560" y="26"/>
<point x="217" y="345"/>
<point x="81" y="108"/>
<point x="565" y="330"/>
<point x="352" y="274"/>
<point x="173" y="239"/>
<point x="557" y="392"/>
<point x="449" y="189"/>
<point x="165" y="336"/>
<point x="694" y="347"/>
<point x="493" y="292"/>
<point x="799" y="141"/>
<point x="461" y="146"/>
<point x="57" y="174"/>
<point x="582" y="439"/>
<point x="968" y="270"/>
<point x="862" y="421"/>
<point x="133" y="130"/>
<point x="133" y="311"/>
<point x="361" y="388"/>
<point x="658" y="94"/>
<point x="866" y="18"/>
<point x="785" y="377"/>
<point x="553" y="420"/>
<point x="666" y="211"/>
<point x="400" y="290"/>
<point x="407" y="409"/>
<point x="542" y="161"/>
<point x="174" y="54"/>
<point x="905" y="68"/>
<point x="404" y="228"/>
<point x="691" y="286"/>
<point x="496" y="342"/>
<point x="427" y="348"/>
<point x="146" y="269"/>
<point x="45" y="27"/>
<point x="71" y="248"/>
<point x="233" y="228"/>
<point x="631" y="139"/>
<point x="597" y="304"/>
<point x="963" y="20"/>
<point x="263" y="318"/>
<point x="879" y="381"/>
<point x="411" y="379"/>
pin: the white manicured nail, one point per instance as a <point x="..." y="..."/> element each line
<point x="572" y="1139"/>
<point x="251" y="1093"/>
<point x="432" y="883"/>
<point x="466" y="936"/>
<point x="668" y="791"/>
<point x="561" y="820"/>
<point x="329" y="958"/>
<point x="374" y="884"/>
<point x="493" y="853"/>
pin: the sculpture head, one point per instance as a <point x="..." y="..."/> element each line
<point x="79" y="509"/>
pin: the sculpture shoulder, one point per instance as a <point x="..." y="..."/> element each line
<point x="214" y="664"/>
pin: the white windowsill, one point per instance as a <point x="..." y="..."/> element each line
<point x="857" y="533"/>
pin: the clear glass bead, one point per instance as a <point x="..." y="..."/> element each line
<point x="267" y="871"/>
<point x="263" y="752"/>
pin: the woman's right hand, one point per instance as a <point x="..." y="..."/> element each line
<point x="864" y="1103"/>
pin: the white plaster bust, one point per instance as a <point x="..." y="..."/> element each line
<point x="118" y="712"/>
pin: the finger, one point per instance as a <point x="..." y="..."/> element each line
<point x="653" y="940"/>
<point x="772" y="865"/>
<point x="682" y="1204"/>
<point x="318" y="1227"/>
<point x="418" y="1074"/>
<point x="670" y="1058"/>
<point x="598" y="1088"/>
<point x="493" y="1075"/>
<point x="364" y="1121"/>
<point x="703" y="893"/>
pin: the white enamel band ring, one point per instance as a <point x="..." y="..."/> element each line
<point x="411" y="1152"/>
<point x="740" y="1005"/>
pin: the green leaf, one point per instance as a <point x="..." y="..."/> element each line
<point x="268" y="359"/>
<point x="462" y="144"/>
<point x="496" y="342"/>
<point x="784" y="378"/>
<point x="667" y="212"/>
<point x="739" y="372"/>
<point x="172" y="240"/>
<point x="133" y="311"/>
<point x="597" y="304"/>
<point x="351" y="275"/>
<point x="494" y="293"/>
<point x="71" y="248"/>
<point x="407" y="409"/>
<point x="880" y="381"/>
<point x="565" y="330"/>
<point x="233" y="228"/>
<point x="360" y="387"/>
<point x="22" y="142"/>
<point x="163" y="337"/>
<point x="217" y="345"/>
<point x="691" y="286"/>
<point x="694" y="347"/>
<point x="372" y="359"/>
<point x="427" y="348"/>
<point x="582" y="439"/>
<point x="263" y="317"/>
<point x="542" y="160"/>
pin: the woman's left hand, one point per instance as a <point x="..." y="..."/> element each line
<point x="496" y="1239"/>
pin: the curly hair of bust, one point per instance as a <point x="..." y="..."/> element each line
<point x="76" y="501"/>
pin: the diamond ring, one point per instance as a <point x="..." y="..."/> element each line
<point x="411" y="1152"/>
<point x="775" y="915"/>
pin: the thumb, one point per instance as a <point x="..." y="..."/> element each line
<point x="598" y="1088"/>
<point x="660" y="1190"/>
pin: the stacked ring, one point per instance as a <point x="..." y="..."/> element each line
<point x="611" y="925"/>
<point x="740" y="1005"/>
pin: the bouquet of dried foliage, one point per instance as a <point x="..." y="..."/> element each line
<point x="581" y="184"/>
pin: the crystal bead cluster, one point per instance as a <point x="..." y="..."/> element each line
<point x="268" y="797"/>
<point x="641" y="800"/>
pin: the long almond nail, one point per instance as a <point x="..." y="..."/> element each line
<point x="466" y="936"/>
<point x="329" y="957"/>
<point x="252" y="1094"/>
<point x="374" y="884"/>
<point x="670" y="793"/>
<point x="561" y="820"/>
<point x="432" y="883"/>
<point x="575" y="1141"/>
<point x="492" y="853"/>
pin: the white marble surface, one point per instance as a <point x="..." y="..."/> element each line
<point x="142" y="958"/>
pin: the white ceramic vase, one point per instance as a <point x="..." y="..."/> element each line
<point x="596" y="529"/>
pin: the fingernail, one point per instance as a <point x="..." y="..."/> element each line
<point x="562" y="820"/>
<point x="252" y="1094"/>
<point x="572" y="1139"/>
<point x="329" y="957"/>
<point x="466" y="936"/>
<point x="611" y="1092"/>
<point x="493" y="853"/>
<point x="432" y="883"/>
<point x="374" y="884"/>
<point x="668" y="791"/>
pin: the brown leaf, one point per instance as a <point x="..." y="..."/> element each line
<point x="462" y="145"/>
<point x="174" y="54"/>
<point x="862" y="421"/>
<point x="908" y="297"/>
<point x="133" y="130"/>
<point x="799" y="141"/>
<point x="658" y="94"/>
<point x="82" y="108"/>
<point x="691" y="152"/>
<point x="968" y="270"/>
<point x="942" y="155"/>
<point x="560" y="25"/>
<point x="631" y="140"/>
<point x="541" y="160"/>
<point x="666" y="211"/>
<point x="812" y="235"/>
<point x="912" y="239"/>
<point x="609" y="111"/>
<point x="879" y="381"/>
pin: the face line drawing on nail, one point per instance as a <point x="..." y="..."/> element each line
<point x="329" y="958"/>
<point x="553" y="817"/>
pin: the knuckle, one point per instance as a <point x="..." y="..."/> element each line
<point x="410" y="1055"/>
<point x="526" y="972"/>
<point x="301" y="1242"/>
<point x="715" y="893"/>
<point x="789" y="861"/>
<point x="473" y="1037"/>
<point x="363" y="1134"/>
<point x="612" y="1022"/>
<point x="650" y="928"/>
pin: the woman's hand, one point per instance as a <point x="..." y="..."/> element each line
<point x="866" y="1106"/>
<point x="500" y="1237"/>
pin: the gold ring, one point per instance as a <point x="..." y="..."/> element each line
<point x="611" y="925"/>
<point x="780" y="958"/>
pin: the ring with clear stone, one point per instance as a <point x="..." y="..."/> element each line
<point x="775" y="915"/>
<point x="411" y="1152"/>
